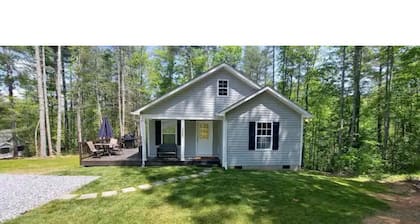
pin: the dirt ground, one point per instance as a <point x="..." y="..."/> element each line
<point x="404" y="202"/>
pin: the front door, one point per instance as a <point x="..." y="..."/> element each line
<point x="204" y="138"/>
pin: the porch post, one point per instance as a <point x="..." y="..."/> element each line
<point x="224" y="149"/>
<point x="182" y="140"/>
<point x="143" y="141"/>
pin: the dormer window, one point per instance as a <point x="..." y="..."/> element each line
<point x="222" y="87"/>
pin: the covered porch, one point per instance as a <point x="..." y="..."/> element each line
<point x="180" y="141"/>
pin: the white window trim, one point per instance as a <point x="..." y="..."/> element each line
<point x="256" y="134"/>
<point x="227" y="87"/>
<point x="176" y="134"/>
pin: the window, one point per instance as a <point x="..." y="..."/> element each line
<point x="169" y="131"/>
<point x="203" y="131"/>
<point x="263" y="135"/>
<point x="222" y="87"/>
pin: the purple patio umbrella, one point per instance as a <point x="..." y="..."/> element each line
<point x="106" y="130"/>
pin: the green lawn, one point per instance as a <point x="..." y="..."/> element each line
<point x="38" y="165"/>
<point x="233" y="196"/>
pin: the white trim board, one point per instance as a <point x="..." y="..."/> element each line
<point x="227" y="88"/>
<point x="211" y="71"/>
<point x="274" y="93"/>
<point x="165" y="117"/>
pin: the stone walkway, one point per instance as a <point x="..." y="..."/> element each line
<point x="142" y="187"/>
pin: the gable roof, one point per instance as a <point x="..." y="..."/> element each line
<point x="274" y="93"/>
<point x="197" y="79"/>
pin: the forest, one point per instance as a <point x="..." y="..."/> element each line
<point x="364" y="99"/>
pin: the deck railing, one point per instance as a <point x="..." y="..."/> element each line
<point x="84" y="152"/>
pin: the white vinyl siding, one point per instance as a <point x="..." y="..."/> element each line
<point x="263" y="108"/>
<point x="200" y="99"/>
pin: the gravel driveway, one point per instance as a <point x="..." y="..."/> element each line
<point x="20" y="193"/>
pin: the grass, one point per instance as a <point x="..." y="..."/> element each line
<point x="38" y="165"/>
<point x="115" y="178"/>
<point x="232" y="196"/>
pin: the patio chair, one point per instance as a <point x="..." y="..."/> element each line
<point x="94" y="151"/>
<point x="114" y="146"/>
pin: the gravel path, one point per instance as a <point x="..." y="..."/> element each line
<point x="21" y="193"/>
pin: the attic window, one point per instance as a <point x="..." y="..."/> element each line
<point x="223" y="87"/>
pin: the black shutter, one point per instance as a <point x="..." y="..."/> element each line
<point x="276" y="135"/>
<point x="158" y="132"/>
<point x="178" y="132"/>
<point x="251" y="141"/>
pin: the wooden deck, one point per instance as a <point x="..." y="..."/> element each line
<point x="132" y="157"/>
<point x="128" y="157"/>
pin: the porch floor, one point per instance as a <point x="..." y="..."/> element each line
<point x="132" y="157"/>
<point x="128" y="157"/>
<point x="197" y="161"/>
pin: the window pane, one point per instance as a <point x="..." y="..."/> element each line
<point x="203" y="131"/>
<point x="169" y="126"/>
<point x="268" y="125"/>
<point x="169" y="139"/>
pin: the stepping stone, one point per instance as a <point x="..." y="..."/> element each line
<point x="207" y="170"/>
<point x="204" y="173"/>
<point x="109" y="193"/>
<point x="184" y="177"/>
<point x="88" y="196"/>
<point x="128" y="189"/>
<point x="158" y="183"/>
<point x="194" y="175"/>
<point x="145" y="187"/>
<point x="172" y="179"/>
<point x="68" y="196"/>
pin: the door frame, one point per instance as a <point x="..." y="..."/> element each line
<point x="196" y="137"/>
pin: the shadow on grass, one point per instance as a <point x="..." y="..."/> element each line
<point x="274" y="197"/>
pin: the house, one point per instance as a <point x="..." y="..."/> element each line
<point x="225" y="115"/>
<point x="7" y="140"/>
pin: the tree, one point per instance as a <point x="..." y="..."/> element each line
<point x="59" y="101"/>
<point x="388" y="77"/>
<point x="230" y="55"/>
<point x="43" y="148"/>
<point x="354" y="124"/>
<point x="46" y="105"/>
<point x="342" y="81"/>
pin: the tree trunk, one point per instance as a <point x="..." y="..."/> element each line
<point x="36" y="139"/>
<point x="283" y="90"/>
<point x="79" y="117"/>
<point x="274" y="67"/>
<point x="123" y="95"/>
<point x="379" y="111"/>
<point x="59" y="101"/>
<point x="298" y="85"/>
<point x="343" y="73"/>
<point x="43" y="149"/>
<point x="119" y="68"/>
<point x="47" y="115"/>
<point x="388" y="77"/>
<point x="354" y="130"/>
<point x="66" y="109"/>
<point x="291" y="82"/>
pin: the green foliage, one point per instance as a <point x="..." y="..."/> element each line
<point x="230" y="55"/>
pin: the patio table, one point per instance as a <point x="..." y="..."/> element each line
<point x="105" y="146"/>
